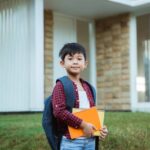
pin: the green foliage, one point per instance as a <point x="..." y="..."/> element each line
<point x="127" y="131"/>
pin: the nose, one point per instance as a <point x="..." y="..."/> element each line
<point x="75" y="61"/>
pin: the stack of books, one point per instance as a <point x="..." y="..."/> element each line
<point x="91" y="115"/>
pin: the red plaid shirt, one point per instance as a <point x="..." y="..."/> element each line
<point x="64" y="117"/>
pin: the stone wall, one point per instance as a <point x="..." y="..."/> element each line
<point x="48" y="52"/>
<point x="112" y="54"/>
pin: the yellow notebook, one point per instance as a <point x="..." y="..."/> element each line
<point x="90" y="115"/>
<point x="101" y="115"/>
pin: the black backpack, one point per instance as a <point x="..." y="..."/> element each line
<point x="49" y="121"/>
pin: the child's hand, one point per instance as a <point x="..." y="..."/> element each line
<point x="103" y="133"/>
<point x="88" y="129"/>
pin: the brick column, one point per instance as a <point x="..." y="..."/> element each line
<point x="112" y="54"/>
<point x="48" y="52"/>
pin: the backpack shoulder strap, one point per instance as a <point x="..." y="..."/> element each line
<point x="92" y="90"/>
<point x="69" y="91"/>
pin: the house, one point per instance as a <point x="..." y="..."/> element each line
<point x="115" y="33"/>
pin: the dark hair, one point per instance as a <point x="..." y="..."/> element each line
<point x="71" y="49"/>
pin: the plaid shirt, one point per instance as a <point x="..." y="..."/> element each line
<point x="64" y="117"/>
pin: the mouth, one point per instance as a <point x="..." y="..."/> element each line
<point x="75" y="67"/>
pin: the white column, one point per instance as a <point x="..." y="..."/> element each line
<point x="92" y="54"/>
<point x="133" y="63"/>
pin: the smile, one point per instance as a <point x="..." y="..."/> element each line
<point x="75" y="67"/>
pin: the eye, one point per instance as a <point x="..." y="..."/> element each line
<point x="79" y="58"/>
<point x="69" y="58"/>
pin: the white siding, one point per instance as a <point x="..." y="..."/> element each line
<point x="17" y="50"/>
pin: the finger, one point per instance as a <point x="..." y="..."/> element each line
<point x="104" y="130"/>
<point x="103" y="134"/>
<point x="94" y="128"/>
<point x="101" y="137"/>
<point x="104" y="127"/>
<point x="90" y="135"/>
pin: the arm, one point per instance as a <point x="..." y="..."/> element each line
<point x="59" y="107"/>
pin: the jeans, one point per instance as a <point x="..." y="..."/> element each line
<point x="78" y="144"/>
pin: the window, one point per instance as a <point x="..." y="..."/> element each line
<point x="143" y="58"/>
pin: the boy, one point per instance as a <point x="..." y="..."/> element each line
<point x="73" y="60"/>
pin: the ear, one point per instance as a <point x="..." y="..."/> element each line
<point x="62" y="63"/>
<point x="86" y="64"/>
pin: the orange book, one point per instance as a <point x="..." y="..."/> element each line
<point x="89" y="115"/>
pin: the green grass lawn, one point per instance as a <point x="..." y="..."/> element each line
<point x="127" y="131"/>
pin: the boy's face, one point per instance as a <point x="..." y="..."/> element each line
<point x="74" y="64"/>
